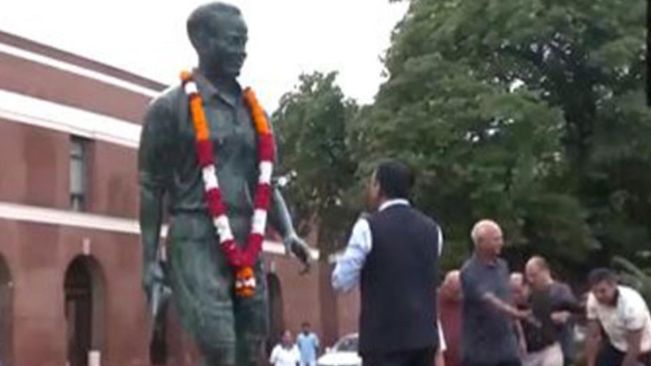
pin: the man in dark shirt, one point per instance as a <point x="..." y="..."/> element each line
<point x="488" y="337"/>
<point x="551" y="304"/>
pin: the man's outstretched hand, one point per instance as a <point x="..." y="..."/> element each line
<point x="299" y="248"/>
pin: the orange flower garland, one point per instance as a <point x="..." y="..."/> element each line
<point x="240" y="259"/>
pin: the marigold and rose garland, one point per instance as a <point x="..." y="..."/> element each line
<point x="240" y="258"/>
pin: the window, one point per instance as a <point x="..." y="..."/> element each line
<point x="347" y="344"/>
<point x="78" y="159"/>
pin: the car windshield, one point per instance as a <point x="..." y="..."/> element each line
<point x="347" y="344"/>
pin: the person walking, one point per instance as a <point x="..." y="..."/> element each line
<point x="308" y="344"/>
<point x="286" y="352"/>
<point x="393" y="255"/>
<point x="488" y="330"/>
<point x="624" y="317"/>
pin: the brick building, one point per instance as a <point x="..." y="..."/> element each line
<point x="69" y="249"/>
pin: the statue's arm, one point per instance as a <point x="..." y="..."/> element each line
<point x="281" y="220"/>
<point x="279" y="216"/>
<point x="153" y="170"/>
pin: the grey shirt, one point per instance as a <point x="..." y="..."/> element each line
<point x="488" y="335"/>
<point x="168" y="159"/>
<point x="564" y="299"/>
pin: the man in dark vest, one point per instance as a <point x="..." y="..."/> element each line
<point x="393" y="255"/>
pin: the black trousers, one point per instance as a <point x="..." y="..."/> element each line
<point x="609" y="356"/>
<point x="423" y="357"/>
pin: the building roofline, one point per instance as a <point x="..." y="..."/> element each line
<point x="79" y="61"/>
<point x="66" y="218"/>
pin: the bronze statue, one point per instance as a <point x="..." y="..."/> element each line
<point x="228" y="329"/>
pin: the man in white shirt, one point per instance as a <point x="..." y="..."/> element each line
<point x="624" y="317"/>
<point x="286" y="352"/>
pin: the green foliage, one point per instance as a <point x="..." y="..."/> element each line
<point x="312" y="131"/>
<point x="637" y="277"/>
<point x="530" y="112"/>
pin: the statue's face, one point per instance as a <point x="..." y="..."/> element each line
<point x="224" y="44"/>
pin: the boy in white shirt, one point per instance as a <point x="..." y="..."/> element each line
<point x="625" y="319"/>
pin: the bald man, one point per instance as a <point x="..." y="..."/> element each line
<point x="552" y="304"/>
<point x="489" y="337"/>
<point x="449" y="308"/>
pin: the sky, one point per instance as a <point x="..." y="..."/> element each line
<point x="286" y="38"/>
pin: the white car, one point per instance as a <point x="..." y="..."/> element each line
<point x="343" y="353"/>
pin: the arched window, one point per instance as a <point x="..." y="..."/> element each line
<point x="276" y="311"/>
<point x="84" y="288"/>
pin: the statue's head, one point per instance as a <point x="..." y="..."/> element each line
<point x="218" y="33"/>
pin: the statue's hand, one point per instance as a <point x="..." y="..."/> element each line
<point x="299" y="248"/>
<point x="152" y="274"/>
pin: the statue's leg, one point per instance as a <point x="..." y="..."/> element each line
<point x="202" y="285"/>
<point x="252" y="322"/>
<point x="217" y="359"/>
<point x="249" y="352"/>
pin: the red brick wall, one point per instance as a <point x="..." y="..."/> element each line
<point x="83" y="62"/>
<point x="113" y="180"/>
<point x="40" y="81"/>
<point x="300" y="294"/>
<point x="348" y="306"/>
<point x="34" y="163"/>
<point x="38" y="257"/>
<point x="35" y="171"/>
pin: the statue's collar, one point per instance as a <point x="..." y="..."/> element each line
<point x="208" y="90"/>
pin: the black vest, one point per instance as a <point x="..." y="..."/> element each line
<point x="398" y="283"/>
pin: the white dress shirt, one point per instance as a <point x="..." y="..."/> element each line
<point x="349" y="267"/>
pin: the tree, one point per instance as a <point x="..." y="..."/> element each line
<point x="530" y="112"/>
<point x="312" y="130"/>
<point x="639" y="278"/>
